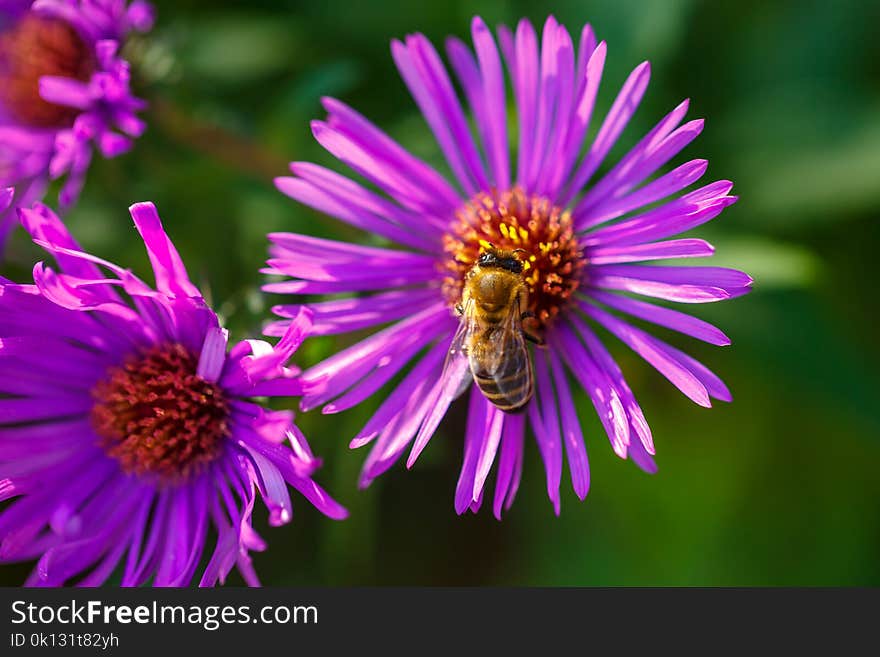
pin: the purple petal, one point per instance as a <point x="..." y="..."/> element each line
<point x="672" y="319"/>
<point x="355" y="313"/>
<point x="555" y="167"/>
<point x="672" y="218"/>
<point x="141" y="563"/>
<point x="683" y="248"/>
<point x="213" y="354"/>
<point x="425" y="191"/>
<point x="6" y="197"/>
<point x="354" y="268"/>
<point x="185" y="538"/>
<point x="366" y="201"/>
<point x="323" y="201"/>
<point x="399" y="432"/>
<point x="603" y="359"/>
<point x="467" y="70"/>
<point x="273" y="488"/>
<point x="654" y="351"/>
<point x="363" y="283"/>
<point x="105" y="523"/>
<point x="605" y="397"/>
<point x="642" y="458"/>
<point x="225" y="552"/>
<point x="317" y="249"/>
<point x="544" y="418"/>
<point x="683" y="284"/>
<point x="525" y="86"/>
<point x="171" y="276"/>
<point x="34" y="444"/>
<point x="475" y="435"/>
<point x="396" y="401"/>
<point x="573" y="437"/>
<point x="385" y="370"/>
<point x="650" y="153"/>
<point x="728" y="279"/>
<point x="140" y="15"/>
<point x="666" y="185"/>
<point x="618" y="116"/>
<point x="510" y="462"/>
<point x="442" y="396"/>
<point x="713" y="383"/>
<point x="36" y="409"/>
<point x="547" y="96"/>
<point x="495" y="103"/>
<point x="429" y="84"/>
<point x="586" y="48"/>
<point x="65" y="91"/>
<point x="486" y="457"/>
<point x="339" y="372"/>
<point x="44" y="225"/>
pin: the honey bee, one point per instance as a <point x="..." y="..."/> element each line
<point x="491" y="335"/>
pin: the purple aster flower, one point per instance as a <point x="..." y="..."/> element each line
<point x="127" y="429"/>
<point x="64" y="91"/>
<point x="580" y="243"/>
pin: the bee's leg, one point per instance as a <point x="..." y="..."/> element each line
<point x="531" y="337"/>
<point x="459" y="309"/>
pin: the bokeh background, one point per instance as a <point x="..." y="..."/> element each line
<point x="778" y="488"/>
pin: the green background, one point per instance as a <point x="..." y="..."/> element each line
<point x="778" y="488"/>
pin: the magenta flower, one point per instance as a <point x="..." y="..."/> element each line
<point x="581" y="241"/>
<point x="64" y="91"/>
<point x="127" y="429"/>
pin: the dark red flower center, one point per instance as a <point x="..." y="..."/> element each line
<point x="156" y="416"/>
<point x="36" y="46"/>
<point x="552" y="260"/>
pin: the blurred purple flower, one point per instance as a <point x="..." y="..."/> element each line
<point x="582" y="238"/>
<point x="64" y="90"/>
<point x="127" y="430"/>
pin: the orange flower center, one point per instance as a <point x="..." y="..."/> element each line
<point x="552" y="260"/>
<point x="36" y="46"/>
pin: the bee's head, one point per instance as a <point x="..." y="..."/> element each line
<point x="501" y="259"/>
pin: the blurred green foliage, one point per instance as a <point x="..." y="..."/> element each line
<point x="779" y="488"/>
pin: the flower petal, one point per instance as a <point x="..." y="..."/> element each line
<point x="672" y="319"/>
<point x="618" y="116"/>
<point x="171" y="276"/>
<point x="544" y="418"/>
<point x="654" y="351"/>
<point x="424" y="75"/>
<point x="572" y="436"/>
<point x="510" y="462"/>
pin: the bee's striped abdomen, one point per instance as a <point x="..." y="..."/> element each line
<point x="509" y="389"/>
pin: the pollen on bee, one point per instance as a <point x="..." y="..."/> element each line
<point x="514" y="220"/>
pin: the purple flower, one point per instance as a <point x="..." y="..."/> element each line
<point x="581" y="238"/>
<point x="64" y="91"/>
<point x="127" y="429"/>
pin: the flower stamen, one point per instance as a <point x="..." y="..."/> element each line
<point x="156" y="416"/>
<point x="36" y="46"/>
<point x="514" y="220"/>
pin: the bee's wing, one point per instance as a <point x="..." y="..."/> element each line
<point x="509" y="369"/>
<point x="457" y="364"/>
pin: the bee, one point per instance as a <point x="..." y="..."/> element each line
<point x="491" y="336"/>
